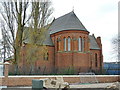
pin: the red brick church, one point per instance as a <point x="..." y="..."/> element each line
<point x="70" y="46"/>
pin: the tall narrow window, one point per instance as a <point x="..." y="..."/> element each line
<point x="79" y="44"/>
<point x="69" y="47"/>
<point x="83" y="43"/>
<point x="96" y="63"/>
<point x="64" y="44"/>
<point x="46" y="56"/>
<point x="58" y="44"/>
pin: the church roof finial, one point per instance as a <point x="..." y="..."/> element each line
<point x="73" y="9"/>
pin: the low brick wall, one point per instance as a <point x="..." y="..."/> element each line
<point x="23" y="81"/>
<point x="100" y="78"/>
<point x="27" y="80"/>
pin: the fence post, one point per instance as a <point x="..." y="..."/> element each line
<point x="6" y="69"/>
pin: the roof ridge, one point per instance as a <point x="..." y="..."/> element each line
<point x="78" y="19"/>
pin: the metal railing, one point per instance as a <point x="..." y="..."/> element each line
<point x="89" y="77"/>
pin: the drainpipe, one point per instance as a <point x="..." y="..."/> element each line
<point x="54" y="54"/>
<point x="72" y="52"/>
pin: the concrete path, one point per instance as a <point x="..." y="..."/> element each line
<point x="98" y="85"/>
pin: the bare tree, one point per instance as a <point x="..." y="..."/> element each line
<point x="20" y="15"/>
<point x="7" y="28"/>
<point x="5" y="42"/>
<point x="14" y="16"/>
<point x="39" y="20"/>
<point x="37" y="31"/>
<point x="116" y="47"/>
<point x="6" y="48"/>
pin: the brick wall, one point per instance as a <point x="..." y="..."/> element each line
<point x="72" y="58"/>
<point x="27" y="80"/>
<point x="39" y="62"/>
<point x="93" y="61"/>
<point x="82" y="61"/>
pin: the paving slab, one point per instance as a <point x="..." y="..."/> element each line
<point x="98" y="85"/>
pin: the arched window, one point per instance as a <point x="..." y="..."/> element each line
<point x="96" y="63"/>
<point x="79" y="44"/>
<point x="83" y="44"/>
<point x="58" y="44"/>
<point x="46" y="56"/>
<point x="69" y="44"/>
<point x="64" y="44"/>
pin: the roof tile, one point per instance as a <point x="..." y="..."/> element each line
<point x="66" y="22"/>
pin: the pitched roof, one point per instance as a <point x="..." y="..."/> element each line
<point x="93" y="43"/>
<point x="67" y="22"/>
<point x="26" y="37"/>
<point x="48" y="40"/>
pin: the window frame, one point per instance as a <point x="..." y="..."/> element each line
<point x="96" y="61"/>
<point x="58" y="44"/>
<point x="69" y="44"/>
<point x="80" y="44"/>
<point x="65" y="48"/>
<point x="46" y="56"/>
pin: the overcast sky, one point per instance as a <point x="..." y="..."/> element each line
<point x="98" y="16"/>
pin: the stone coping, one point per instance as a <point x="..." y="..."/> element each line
<point x="64" y="76"/>
<point x="1" y="63"/>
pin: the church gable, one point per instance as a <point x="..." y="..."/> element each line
<point x="93" y="43"/>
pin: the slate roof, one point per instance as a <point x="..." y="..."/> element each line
<point x="48" y="40"/>
<point x="26" y="38"/>
<point x="67" y="22"/>
<point x="93" y="43"/>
